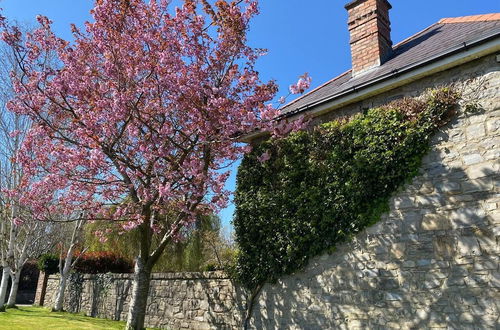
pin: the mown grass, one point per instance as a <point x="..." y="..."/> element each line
<point x="30" y="318"/>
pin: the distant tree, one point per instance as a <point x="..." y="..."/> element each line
<point x="68" y="247"/>
<point x="21" y="238"/>
<point x="192" y="251"/>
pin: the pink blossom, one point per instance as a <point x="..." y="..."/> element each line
<point x="17" y="221"/>
<point x="302" y="84"/>
<point x="264" y="157"/>
<point x="286" y="126"/>
<point x="14" y="133"/>
<point x="130" y="225"/>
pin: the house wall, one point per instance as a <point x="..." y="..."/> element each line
<point x="432" y="261"/>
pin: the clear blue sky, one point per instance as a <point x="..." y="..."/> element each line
<point x="302" y="36"/>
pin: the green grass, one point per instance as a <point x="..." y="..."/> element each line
<point x="29" y="318"/>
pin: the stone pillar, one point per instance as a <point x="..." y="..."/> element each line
<point x="41" y="289"/>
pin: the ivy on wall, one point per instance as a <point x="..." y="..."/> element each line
<point x="320" y="187"/>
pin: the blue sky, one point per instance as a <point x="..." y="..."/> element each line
<point x="302" y="36"/>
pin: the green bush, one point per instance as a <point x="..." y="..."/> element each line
<point x="103" y="262"/>
<point x="319" y="188"/>
<point x="48" y="263"/>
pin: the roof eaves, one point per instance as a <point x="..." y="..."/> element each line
<point x="392" y="74"/>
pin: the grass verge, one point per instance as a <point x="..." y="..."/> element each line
<point x="28" y="318"/>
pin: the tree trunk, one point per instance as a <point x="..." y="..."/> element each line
<point x="140" y="291"/>
<point x="8" y="262"/>
<point x="64" y="271"/>
<point x="58" y="305"/>
<point x="13" y="289"/>
<point x="3" y="284"/>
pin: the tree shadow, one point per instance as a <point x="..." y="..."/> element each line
<point x="205" y="300"/>
<point x="122" y="292"/>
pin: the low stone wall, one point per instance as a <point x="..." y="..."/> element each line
<point x="206" y="300"/>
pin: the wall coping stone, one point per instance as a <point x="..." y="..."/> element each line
<point x="162" y="276"/>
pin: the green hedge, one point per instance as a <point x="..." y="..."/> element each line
<point x="319" y="188"/>
<point x="48" y="263"/>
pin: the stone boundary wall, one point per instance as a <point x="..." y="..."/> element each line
<point x="431" y="262"/>
<point x="207" y="300"/>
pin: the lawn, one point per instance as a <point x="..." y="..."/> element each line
<point x="24" y="318"/>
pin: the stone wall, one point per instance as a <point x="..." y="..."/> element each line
<point x="432" y="261"/>
<point x="206" y="300"/>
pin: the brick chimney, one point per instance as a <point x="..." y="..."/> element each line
<point x="370" y="30"/>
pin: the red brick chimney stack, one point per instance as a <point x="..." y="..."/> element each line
<point x="370" y="30"/>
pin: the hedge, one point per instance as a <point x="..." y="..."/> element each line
<point x="103" y="262"/>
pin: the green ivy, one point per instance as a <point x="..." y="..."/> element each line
<point x="320" y="187"/>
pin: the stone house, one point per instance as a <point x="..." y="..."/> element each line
<point x="433" y="260"/>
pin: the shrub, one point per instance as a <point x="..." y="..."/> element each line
<point x="211" y="267"/>
<point x="319" y="188"/>
<point x="103" y="262"/>
<point x="48" y="263"/>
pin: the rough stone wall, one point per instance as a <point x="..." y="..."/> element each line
<point x="431" y="262"/>
<point x="206" y="300"/>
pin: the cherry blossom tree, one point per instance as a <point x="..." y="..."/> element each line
<point x="139" y="117"/>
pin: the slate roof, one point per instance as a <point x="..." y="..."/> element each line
<point x="436" y="41"/>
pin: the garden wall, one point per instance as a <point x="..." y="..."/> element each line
<point x="432" y="261"/>
<point x="177" y="300"/>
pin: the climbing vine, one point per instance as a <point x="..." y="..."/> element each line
<point x="75" y="291"/>
<point x="100" y="288"/>
<point x="301" y="195"/>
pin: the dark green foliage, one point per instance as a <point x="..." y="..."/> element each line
<point x="321" y="187"/>
<point x="48" y="263"/>
<point x="103" y="262"/>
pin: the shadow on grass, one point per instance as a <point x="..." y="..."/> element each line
<point x="28" y="317"/>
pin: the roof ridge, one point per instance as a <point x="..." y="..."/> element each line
<point x="343" y="82"/>
<point x="315" y="89"/>
<point x="472" y="18"/>
<point x="402" y="42"/>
